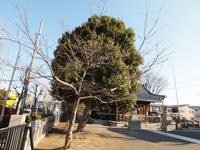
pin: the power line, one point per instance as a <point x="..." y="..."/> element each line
<point x="6" y="80"/>
<point x="186" y="81"/>
<point x="186" y="86"/>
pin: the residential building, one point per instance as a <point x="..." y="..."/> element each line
<point x="197" y="110"/>
<point x="198" y="114"/>
<point x="186" y="112"/>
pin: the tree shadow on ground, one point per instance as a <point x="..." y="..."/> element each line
<point x="57" y="131"/>
<point x="148" y="136"/>
<point x="103" y="135"/>
<point x="59" y="148"/>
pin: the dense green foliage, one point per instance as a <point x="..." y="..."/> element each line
<point x="103" y="48"/>
<point x="33" y="118"/>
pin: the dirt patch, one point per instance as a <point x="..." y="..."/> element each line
<point x="54" y="140"/>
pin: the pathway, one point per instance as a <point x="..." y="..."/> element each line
<point x="98" y="137"/>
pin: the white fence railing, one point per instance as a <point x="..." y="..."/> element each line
<point x="39" y="129"/>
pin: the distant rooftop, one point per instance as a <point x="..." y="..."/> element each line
<point x="195" y="107"/>
<point x="175" y="106"/>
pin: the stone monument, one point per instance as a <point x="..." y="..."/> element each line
<point x="134" y="123"/>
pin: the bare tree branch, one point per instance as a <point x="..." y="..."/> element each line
<point x="154" y="82"/>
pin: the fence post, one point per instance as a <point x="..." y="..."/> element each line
<point x="24" y="138"/>
<point x="27" y="128"/>
<point x="31" y="138"/>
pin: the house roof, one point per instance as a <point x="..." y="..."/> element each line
<point x="145" y="95"/>
<point x="195" y="107"/>
<point x="182" y="105"/>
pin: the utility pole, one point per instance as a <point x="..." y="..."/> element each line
<point x="27" y="80"/>
<point x="178" y="119"/>
<point x="10" y="83"/>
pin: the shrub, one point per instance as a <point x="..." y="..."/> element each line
<point x="47" y="115"/>
<point x="33" y="118"/>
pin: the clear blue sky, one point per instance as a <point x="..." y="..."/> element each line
<point x="179" y="31"/>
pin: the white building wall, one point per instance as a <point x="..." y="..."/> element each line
<point x="187" y="112"/>
<point x="198" y="115"/>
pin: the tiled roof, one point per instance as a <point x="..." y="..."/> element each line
<point x="145" y="95"/>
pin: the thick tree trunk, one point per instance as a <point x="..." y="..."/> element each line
<point x="85" y="118"/>
<point x="69" y="133"/>
<point x="68" y="114"/>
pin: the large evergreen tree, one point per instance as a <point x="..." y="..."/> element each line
<point x="96" y="61"/>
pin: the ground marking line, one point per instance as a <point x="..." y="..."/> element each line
<point x="176" y="136"/>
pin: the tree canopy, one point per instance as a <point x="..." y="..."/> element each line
<point x="99" y="59"/>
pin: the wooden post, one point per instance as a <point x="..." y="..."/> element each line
<point x="24" y="138"/>
<point x="164" y="124"/>
<point x="31" y="138"/>
<point x="116" y="121"/>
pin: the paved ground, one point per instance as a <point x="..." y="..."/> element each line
<point x="98" y="137"/>
<point x="192" y="133"/>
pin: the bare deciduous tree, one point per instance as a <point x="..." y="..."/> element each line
<point x="37" y="93"/>
<point x="154" y="82"/>
<point x="149" y="48"/>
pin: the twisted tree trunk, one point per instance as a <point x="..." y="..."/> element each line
<point x="69" y="133"/>
<point x="85" y="118"/>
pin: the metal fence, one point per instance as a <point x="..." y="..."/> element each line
<point x="20" y="136"/>
<point x="13" y="138"/>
